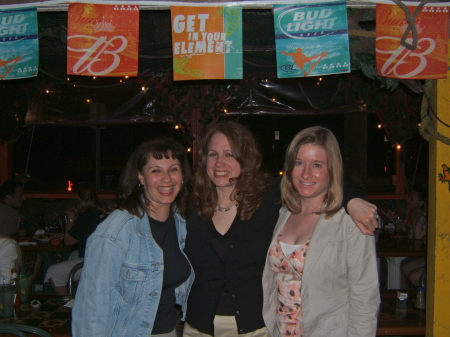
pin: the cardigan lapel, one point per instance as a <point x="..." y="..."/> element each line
<point x="324" y="232"/>
<point x="284" y="215"/>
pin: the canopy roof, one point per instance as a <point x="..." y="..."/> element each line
<point x="55" y="98"/>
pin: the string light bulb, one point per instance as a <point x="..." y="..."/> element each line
<point x="379" y="126"/>
<point x="189" y="149"/>
<point x="143" y="88"/>
<point x="399" y="146"/>
<point x="225" y="110"/>
<point x="177" y="127"/>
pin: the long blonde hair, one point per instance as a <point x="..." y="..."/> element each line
<point x="316" y="135"/>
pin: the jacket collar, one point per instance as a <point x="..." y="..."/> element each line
<point x="324" y="232"/>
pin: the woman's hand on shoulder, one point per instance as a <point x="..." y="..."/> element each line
<point x="364" y="215"/>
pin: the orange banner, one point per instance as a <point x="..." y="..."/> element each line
<point x="206" y="42"/>
<point x="103" y="40"/>
<point x="421" y="58"/>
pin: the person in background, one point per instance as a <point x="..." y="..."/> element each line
<point x="10" y="257"/>
<point x="81" y="222"/>
<point x="236" y="208"/>
<point x="416" y="216"/>
<point x="135" y="270"/>
<point x="11" y="199"/>
<point x="320" y="276"/>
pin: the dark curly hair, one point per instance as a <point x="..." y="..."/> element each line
<point x="130" y="196"/>
<point x="252" y="184"/>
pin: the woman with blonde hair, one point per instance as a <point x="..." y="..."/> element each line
<point x="320" y="278"/>
<point x="236" y="207"/>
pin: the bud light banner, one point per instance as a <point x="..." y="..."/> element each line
<point x="311" y="39"/>
<point x="19" y="47"/>
<point x="102" y="40"/>
<point x="423" y="56"/>
<point x="206" y="42"/>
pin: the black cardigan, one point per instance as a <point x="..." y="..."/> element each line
<point x="241" y="269"/>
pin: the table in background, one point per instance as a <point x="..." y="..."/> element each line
<point x="49" y="254"/>
<point x="400" y="322"/>
<point x="51" y="316"/>
<point x="395" y="250"/>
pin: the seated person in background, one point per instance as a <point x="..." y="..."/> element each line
<point x="81" y="222"/>
<point x="11" y="199"/>
<point x="10" y="257"/>
<point x="416" y="216"/>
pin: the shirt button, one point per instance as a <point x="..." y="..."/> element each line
<point x="231" y="246"/>
<point x="237" y="312"/>
<point x="241" y="330"/>
<point x="233" y="295"/>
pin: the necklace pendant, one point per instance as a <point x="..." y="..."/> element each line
<point x="225" y="209"/>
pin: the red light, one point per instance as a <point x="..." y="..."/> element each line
<point x="385" y="169"/>
<point x="69" y="188"/>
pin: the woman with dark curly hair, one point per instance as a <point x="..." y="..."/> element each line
<point x="135" y="270"/>
<point x="236" y="208"/>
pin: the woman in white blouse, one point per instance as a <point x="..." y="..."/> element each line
<point x="320" y="277"/>
<point x="10" y="257"/>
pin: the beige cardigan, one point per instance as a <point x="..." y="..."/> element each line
<point x="340" y="291"/>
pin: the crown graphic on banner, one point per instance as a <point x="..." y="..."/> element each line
<point x="104" y="26"/>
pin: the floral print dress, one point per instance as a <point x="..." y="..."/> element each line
<point x="289" y="271"/>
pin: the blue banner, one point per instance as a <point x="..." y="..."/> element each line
<point x="19" y="48"/>
<point x="311" y="39"/>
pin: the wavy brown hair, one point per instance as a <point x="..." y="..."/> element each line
<point x="131" y="197"/>
<point x="251" y="185"/>
<point x="316" y="135"/>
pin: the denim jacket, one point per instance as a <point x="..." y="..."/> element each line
<point x="122" y="277"/>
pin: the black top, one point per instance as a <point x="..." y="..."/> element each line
<point x="84" y="225"/>
<point x="228" y="269"/>
<point x="236" y="270"/>
<point x="176" y="271"/>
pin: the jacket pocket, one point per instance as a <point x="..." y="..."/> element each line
<point x="132" y="280"/>
<point x="334" y="251"/>
<point x="333" y="322"/>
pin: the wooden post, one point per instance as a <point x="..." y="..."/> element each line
<point x="5" y="161"/>
<point x="399" y="171"/>
<point x="195" y="121"/>
<point x="438" y="252"/>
